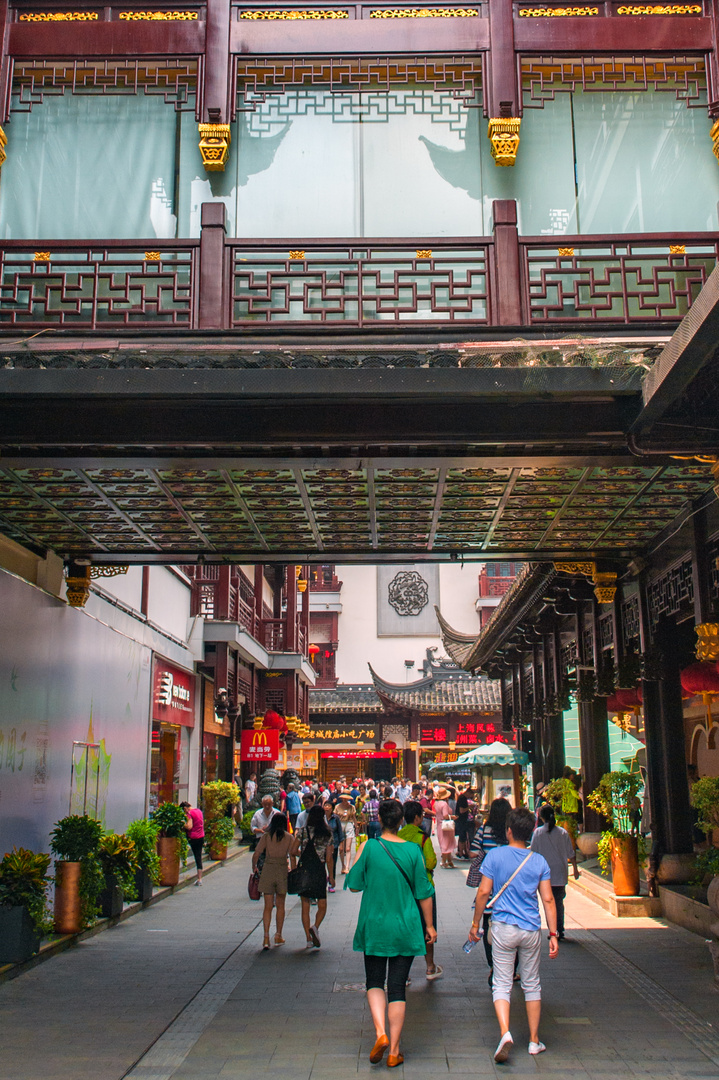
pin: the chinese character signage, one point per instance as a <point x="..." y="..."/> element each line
<point x="473" y="733"/>
<point x="348" y="734"/>
<point x="173" y="700"/>
<point x="260" y="746"/>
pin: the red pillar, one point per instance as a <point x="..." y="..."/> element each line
<point x="508" y="291"/>
<point x="212" y="307"/>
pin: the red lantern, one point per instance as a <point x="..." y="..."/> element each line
<point x="614" y="705"/>
<point x="390" y="745"/>
<point x="629" y="700"/>
<point x="313" y="650"/>
<point x="274" y="721"/>
<point x="702" y="678"/>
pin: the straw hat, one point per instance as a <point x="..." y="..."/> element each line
<point x="346" y="795"/>
<point x="442" y="793"/>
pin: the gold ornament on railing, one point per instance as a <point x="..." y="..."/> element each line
<point x="214" y="146"/>
<point x="424" y="253"/>
<point x="153" y="256"/>
<point x="158" y="16"/>
<point x="108" y="571"/>
<point x="677" y="249"/>
<point x="503" y="134"/>
<point x="296" y="255"/>
<point x="714" y="136"/>
<point x="3" y="144"/>
<point x="565" y="251"/>
<point x="558" y="12"/>
<point x="308" y="13"/>
<point x="660" y="9"/>
<point x="59" y="16"/>
<point x="41" y="256"/>
<point x="423" y="13"/>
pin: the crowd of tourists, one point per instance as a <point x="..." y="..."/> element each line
<point x="379" y="836"/>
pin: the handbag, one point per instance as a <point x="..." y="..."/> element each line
<point x="447" y="825"/>
<point x="474" y="874"/>
<point x="299" y="880"/>
<point x="253" y="886"/>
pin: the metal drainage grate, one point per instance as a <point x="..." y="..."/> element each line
<point x="341" y="988"/>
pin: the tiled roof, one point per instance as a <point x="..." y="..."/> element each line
<point x="529" y="583"/>
<point x="448" y="692"/>
<point x="360" y="698"/>
<point x="457" y="644"/>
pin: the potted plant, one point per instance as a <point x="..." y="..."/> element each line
<point x="24" y="912"/>
<point x="218" y="799"/>
<point x="705" y="800"/>
<point x="246" y="826"/>
<point x="79" y="879"/>
<point x="616" y="799"/>
<point x="171" y="841"/>
<point x="143" y="834"/>
<point x="118" y="859"/>
<point x="222" y="833"/>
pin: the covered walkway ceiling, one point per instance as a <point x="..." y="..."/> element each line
<point x="168" y="466"/>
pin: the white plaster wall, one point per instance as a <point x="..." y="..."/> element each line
<point x="127" y="588"/>
<point x="168" y="602"/>
<point x="358" y="641"/>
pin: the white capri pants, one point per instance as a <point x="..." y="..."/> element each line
<point x="507" y="941"/>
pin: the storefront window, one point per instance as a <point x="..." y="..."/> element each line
<point x="164" y="764"/>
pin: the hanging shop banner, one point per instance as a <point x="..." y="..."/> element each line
<point x="173" y="699"/>
<point x="352" y="754"/>
<point x="260" y="746"/>
<point x="470" y="733"/>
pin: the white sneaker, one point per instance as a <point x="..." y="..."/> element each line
<point x="537" y="1048"/>
<point x="505" y="1045"/>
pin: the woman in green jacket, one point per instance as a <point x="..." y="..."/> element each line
<point x="391" y="875"/>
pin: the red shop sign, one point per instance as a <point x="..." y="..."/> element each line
<point x="173" y="698"/>
<point x="260" y="745"/>
<point x="351" y="755"/>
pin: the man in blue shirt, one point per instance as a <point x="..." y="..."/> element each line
<point x="294" y="804"/>
<point x="514" y="875"/>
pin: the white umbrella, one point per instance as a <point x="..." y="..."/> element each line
<point x="495" y="753"/>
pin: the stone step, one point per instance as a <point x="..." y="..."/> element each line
<point x="599" y="889"/>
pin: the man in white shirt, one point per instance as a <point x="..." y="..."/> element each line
<point x="308" y="801"/>
<point x="261" y="820"/>
<point x="250" y="788"/>
<point x="404" y="790"/>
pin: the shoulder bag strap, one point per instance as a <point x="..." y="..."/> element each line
<point x="509" y="881"/>
<point x="402" y="872"/>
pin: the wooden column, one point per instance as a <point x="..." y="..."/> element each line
<point x="212" y="310"/>
<point x="593" y="736"/>
<point x="508" y="289"/>
<point x="217" y="81"/>
<point x="700" y="568"/>
<point x="222" y="595"/>
<point x="291" y="610"/>
<point x="259" y="597"/>
<point x="666" y="756"/>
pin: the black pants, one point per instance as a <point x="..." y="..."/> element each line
<point x="395" y="969"/>
<point x="559" y="894"/>
<point x="196" y="846"/>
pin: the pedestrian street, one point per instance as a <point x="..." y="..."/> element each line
<point x="183" y="990"/>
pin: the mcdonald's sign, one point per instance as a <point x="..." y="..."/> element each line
<point x="260" y="745"/>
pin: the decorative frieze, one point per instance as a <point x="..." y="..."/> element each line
<point x="423" y="13"/>
<point x="660" y="9"/>
<point x="557" y="12"/>
<point x="306" y="14"/>
<point x="159" y="16"/>
<point x="59" y="16"/>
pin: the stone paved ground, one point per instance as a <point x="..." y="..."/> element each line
<point x="183" y="992"/>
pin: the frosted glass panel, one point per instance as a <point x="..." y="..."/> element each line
<point x="644" y="164"/>
<point x="310" y="163"/>
<point x="542" y="181"/>
<point x="90" y="167"/>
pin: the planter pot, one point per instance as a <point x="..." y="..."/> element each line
<point x="676" y="869"/>
<point x="111" y="898"/>
<point x="19" y="940"/>
<point x="713" y="895"/>
<point x="588" y="844"/>
<point x="168" y="848"/>
<point x="143" y="884"/>
<point x="625" y="866"/>
<point x="218" y="852"/>
<point x="67" y="912"/>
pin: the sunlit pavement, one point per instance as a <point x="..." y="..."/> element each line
<point x="183" y="990"/>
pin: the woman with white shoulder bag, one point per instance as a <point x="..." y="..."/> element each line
<point x="515" y="875"/>
<point x="445" y="827"/>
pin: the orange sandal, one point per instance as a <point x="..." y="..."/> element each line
<point x="377" y="1052"/>
<point x="393" y="1061"/>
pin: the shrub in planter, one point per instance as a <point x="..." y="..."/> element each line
<point x="143" y="833"/>
<point x="79" y="879"/>
<point x="172" y="843"/>
<point x="24" y="912"/>
<point x="118" y="859"/>
<point x="246" y="825"/>
<point x="705" y="800"/>
<point x="222" y="833"/>
<point x="621" y="846"/>
<point x="218" y="799"/>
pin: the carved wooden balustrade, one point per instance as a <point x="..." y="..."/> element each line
<point x="257" y="287"/>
